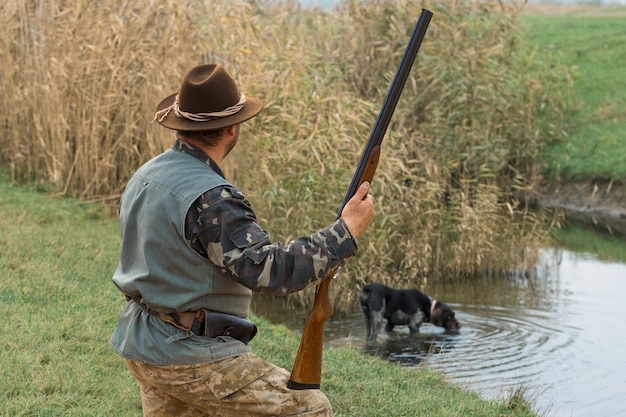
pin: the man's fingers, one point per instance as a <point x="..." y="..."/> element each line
<point x="361" y="192"/>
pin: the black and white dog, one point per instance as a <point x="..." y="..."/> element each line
<point x="402" y="307"/>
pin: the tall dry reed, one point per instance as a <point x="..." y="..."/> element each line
<point x="80" y="81"/>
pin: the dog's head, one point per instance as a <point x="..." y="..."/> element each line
<point x="442" y="315"/>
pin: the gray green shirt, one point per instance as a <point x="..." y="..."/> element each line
<point x="191" y="240"/>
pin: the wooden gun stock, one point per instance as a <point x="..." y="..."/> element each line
<point x="307" y="368"/>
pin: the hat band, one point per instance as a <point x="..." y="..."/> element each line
<point x="199" y="117"/>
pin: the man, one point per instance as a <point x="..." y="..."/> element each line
<point x="193" y="252"/>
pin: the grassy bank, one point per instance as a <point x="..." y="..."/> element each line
<point x="59" y="308"/>
<point x="584" y="239"/>
<point x="592" y="42"/>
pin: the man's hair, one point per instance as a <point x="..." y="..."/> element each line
<point x="207" y="137"/>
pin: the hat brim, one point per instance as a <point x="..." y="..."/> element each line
<point x="251" y="108"/>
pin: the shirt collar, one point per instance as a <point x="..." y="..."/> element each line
<point x="196" y="152"/>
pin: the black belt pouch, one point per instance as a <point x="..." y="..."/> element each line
<point x="221" y="324"/>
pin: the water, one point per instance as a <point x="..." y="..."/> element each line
<point x="560" y="335"/>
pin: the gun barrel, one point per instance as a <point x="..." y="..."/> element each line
<point x="307" y="369"/>
<point x="389" y="105"/>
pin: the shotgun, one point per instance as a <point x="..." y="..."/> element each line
<point x="307" y="368"/>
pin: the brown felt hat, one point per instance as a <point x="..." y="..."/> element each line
<point x="208" y="99"/>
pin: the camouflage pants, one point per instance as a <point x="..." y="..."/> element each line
<point x="241" y="386"/>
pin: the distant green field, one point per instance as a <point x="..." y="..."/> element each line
<point x="595" y="49"/>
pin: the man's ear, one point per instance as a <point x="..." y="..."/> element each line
<point x="232" y="130"/>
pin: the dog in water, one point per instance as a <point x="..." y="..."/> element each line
<point x="402" y="307"/>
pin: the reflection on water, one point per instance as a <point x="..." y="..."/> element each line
<point x="559" y="334"/>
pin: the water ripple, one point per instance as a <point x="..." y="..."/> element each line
<point x="500" y="348"/>
<point x="497" y="350"/>
<point x="558" y="335"/>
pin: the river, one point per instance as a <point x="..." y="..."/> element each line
<point x="558" y="334"/>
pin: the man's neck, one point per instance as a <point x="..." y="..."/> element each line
<point x="216" y="152"/>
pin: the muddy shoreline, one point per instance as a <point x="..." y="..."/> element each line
<point x="599" y="204"/>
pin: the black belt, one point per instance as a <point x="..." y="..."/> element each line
<point x="207" y="323"/>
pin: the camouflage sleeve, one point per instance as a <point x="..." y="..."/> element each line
<point x="223" y="227"/>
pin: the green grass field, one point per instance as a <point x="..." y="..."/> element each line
<point x="593" y="44"/>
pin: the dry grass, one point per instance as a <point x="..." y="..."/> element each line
<point x="81" y="80"/>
